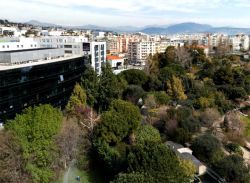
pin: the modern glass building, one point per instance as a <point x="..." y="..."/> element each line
<point x="48" y="81"/>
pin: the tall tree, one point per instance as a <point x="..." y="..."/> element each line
<point x="108" y="88"/>
<point x="77" y="100"/>
<point x="176" y="89"/>
<point x="90" y="84"/>
<point x="35" y="129"/>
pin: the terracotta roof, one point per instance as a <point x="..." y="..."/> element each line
<point x="113" y="57"/>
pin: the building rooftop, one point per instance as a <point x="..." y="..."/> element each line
<point x="113" y="57"/>
<point x="30" y="64"/>
<point x="26" y="50"/>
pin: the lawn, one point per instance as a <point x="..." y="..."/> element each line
<point x="246" y="120"/>
<point x="85" y="176"/>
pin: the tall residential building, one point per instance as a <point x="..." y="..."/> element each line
<point x="138" y="52"/>
<point x="98" y="55"/>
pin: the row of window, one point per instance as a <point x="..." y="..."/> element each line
<point x="18" y="46"/>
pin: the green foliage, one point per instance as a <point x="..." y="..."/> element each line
<point x="175" y="88"/>
<point x="132" y="178"/>
<point x="35" y="129"/>
<point x="112" y="134"/>
<point x="133" y="93"/>
<point x="147" y="133"/>
<point x="108" y="88"/>
<point x="234" y="148"/>
<point x="161" y="98"/>
<point x="233" y="169"/>
<point x="168" y="72"/>
<point x="168" y="57"/>
<point x="182" y="136"/>
<point x="158" y="161"/>
<point x="90" y="84"/>
<point x="206" y="148"/>
<point x="135" y="77"/>
<point x="78" y="98"/>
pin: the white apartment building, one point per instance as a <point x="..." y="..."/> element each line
<point x="162" y="46"/>
<point x="11" y="44"/>
<point x="238" y="42"/>
<point x="98" y="55"/>
<point x="138" y="52"/>
<point x="78" y="45"/>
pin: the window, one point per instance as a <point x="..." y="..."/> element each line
<point x="17" y="46"/>
<point x="31" y="45"/>
<point x="8" y="46"/>
<point x="68" y="51"/>
<point x="67" y="46"/>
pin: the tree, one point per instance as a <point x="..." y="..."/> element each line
<point x="158" y="161"/>
<point x="119" y="122"/>
<point x="90" y="83"/>
<point x="233" y="169"/>
<point x="168" y="57"/>
<point x="77" y="99"/>
<point x="233" y="124"/>
<point x="135" y="77"/>
<point x="133" y="177"/>
<point x="147" y="133"/>
<point x="35" y="129"/>
<point x="133" y="93"/>
<point x="210" y="116"/>
<point x="161" y="98"/>
<point x="67" y="141"/>
<point x="108" y="88"/>
<point x="175" y="88"/>
<point x="11" y="160"/>
<point x="182" y="136"/>
<point x="150" y="101"/>
<point x="206" y="148"/>
<point x="112" y="135"/>
<point x="184" y="57"/>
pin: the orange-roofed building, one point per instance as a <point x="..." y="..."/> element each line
<point x="116" y="62"/>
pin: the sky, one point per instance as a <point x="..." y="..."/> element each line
<point x="235" y="13"/>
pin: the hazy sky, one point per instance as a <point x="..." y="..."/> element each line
<point x="128" y="12"/>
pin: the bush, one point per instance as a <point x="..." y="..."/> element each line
<point x="161" y="98"/>
<point x="206" y="148"/>
<point x="233" y="169"/>
<point x="133" y="93"/>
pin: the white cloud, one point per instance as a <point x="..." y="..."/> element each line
<point x="125" y="12"/>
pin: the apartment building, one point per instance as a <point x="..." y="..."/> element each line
<point x="239" y="42"/>
<point x="138" y="52"/>
<point x="78" y="45"/>
<point x="98" y="55"/>
<point x="162" y="46"/>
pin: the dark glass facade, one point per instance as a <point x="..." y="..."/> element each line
<point x="47" y="83"/>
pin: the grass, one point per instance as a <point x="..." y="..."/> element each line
<point x="86" y="176"/>
<point x="246" y="120"/>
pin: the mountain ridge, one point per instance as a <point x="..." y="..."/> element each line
<point x="186" y="27"/>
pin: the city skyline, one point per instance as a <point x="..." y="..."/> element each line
<point x="129" y="13"/>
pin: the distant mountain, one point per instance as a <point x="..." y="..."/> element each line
<point x="42" y="24"/>
<point x="193" y="28"/>
<point x="188" y="27"/>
